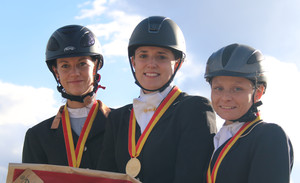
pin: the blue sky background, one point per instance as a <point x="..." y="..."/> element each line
<point x="28" y="92"/>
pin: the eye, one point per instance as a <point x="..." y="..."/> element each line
<point x="82" y="63"/>
<point x="142" y="56"/>
<point x="162" y="57"/>
<point x="237" y="89"/>
<point x="217" y="88"/>
<point x="64" y="66"/>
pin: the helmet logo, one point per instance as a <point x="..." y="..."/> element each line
<point x="69" y="48"/>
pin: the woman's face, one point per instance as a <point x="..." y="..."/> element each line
<point x="232" y="96"/>
<point x="153" y="66"/>
<point x="76" y="74"/>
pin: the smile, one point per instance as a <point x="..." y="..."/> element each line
<point x="151" y="74"/>
<point x="225" y="107"/>
<point x="77" y="81"/>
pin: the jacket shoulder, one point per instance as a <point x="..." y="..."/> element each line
<point x="270" y="128"/>
<point x="40" y="127"/>
<point x="194" y="100"/>
<point x="121" y="109"/>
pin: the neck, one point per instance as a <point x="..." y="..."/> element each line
<point x="164" y="93"/>
<point x="227" y="122"/>
<point x="75" y="104"/>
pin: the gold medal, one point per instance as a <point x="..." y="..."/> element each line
<point x="133" y="167"/>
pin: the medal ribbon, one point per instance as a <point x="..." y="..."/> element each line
<point x="135" y="150"/>
<point x="74" y="156"/>
<point x="211" y="176"/>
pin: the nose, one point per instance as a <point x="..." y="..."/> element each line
<point x="152" y="62"/>
<point x="74" y="70"/>
<point x="226" y="95"/>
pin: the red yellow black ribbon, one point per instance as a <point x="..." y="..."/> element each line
<point x="135" y="150"/>
<point x="74" y="156"/>
<point x="212" y="175"/>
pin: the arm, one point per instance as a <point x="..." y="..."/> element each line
<point x="107" y="161"/>
<point x="32" y="150"/>
<point x="272" y="159"/>
<point x="196" y="141"/>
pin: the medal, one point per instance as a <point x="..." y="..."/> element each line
<point x="133" y="167"/>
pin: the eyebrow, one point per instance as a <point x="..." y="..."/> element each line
<point x="160" y="52"/>
<point x="84" y="58"/>
<point x="62" y="61"/>
<point x="141" y="51"/>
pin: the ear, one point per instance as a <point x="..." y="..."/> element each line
<point x="259" y="92"/>
<point x="55" y="72"/>
<point x="177" y="64"/>
<point x="132" y="61"/>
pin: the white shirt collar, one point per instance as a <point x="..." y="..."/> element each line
<point x="80" y="112"/>
<point x="145" y="105"/>
<point x="226" y="132"/>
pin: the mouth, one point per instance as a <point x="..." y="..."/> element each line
<point x="227" y="107"/>
<point x="75" y="81"/>
<point x="152" y="74"/>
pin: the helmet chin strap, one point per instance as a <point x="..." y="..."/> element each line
<point x="161" y="88"/>
<point x="74" y="97"/>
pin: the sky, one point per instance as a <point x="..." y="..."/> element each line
<point x="28" y="92"/>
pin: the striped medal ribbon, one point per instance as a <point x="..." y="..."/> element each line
<point x="74" y="156"/>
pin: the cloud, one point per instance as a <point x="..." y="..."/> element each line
<point x="114" y="28"/>
<point x="190" y="77"/>
<point x="25" y="104"/>
<point x="116" y="32"/>
<point x="190" y="69"/>
<point x="97" y="9"/>
<point x="13" y="147"/>
<point x="20" y="108"/>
